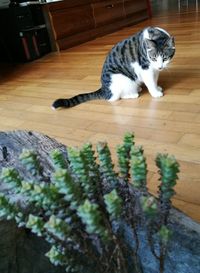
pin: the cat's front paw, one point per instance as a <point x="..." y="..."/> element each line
<point x="157" y="94"/>
<point x="159" y="88"/>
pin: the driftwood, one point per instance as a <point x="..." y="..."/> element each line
<point x="22" y="252"/>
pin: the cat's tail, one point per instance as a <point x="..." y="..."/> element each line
<point x="71" y="102"/>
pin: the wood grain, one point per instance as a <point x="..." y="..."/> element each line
<point x="75" y="22"/>
<point x="170" y="124"/>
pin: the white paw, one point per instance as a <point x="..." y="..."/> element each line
<point x="159" y="88"/>
<point x="157" y="94"/>
<point x="130" y="96"/>
<point x="114" y="98"/>
<point x="134" y="96"/>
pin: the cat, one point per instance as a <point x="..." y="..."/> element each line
<point x="133" y="61"/>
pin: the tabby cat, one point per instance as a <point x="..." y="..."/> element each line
<point x="133" y="61"/>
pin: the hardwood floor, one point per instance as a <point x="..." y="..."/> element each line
<point x="174" y="6"/>
<point x="170" y="124"/>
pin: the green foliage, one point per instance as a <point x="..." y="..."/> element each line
<point x="30" y="160"/>
<point x="128" y="141"/>
<point x="113" y="204"/>
<point x="138" y="168"/>
<point x="164" y="234"/>
<point x="123" y="152"/>
<point x="42" y="195"/>
<point x="11" y="176"/>
<point x="93" y="175"/>
<point x="7" y="210"/>
<point x="58" y="227"/>
<point x="168" y="169"/>
<point x="123" y="161"/>
<point x="66" y="186"/>
<point x="82" y="163"/>
<point x="56" y="256"/>
<point x="90" y="160"/>
<point x="149" y="206"/>
<point x="80" y="207"/>
<point x="36" y="224"/>
<point x="78" y="165"/>
<point x="93" y="219"/>
<point x="58" y="159"/>
<point x="105" y="162"/>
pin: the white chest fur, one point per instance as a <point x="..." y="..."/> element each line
<point x="149" y="77"/>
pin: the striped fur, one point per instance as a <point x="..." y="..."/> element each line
<point x="67" y="103"/>
<point x="133" y="61"/>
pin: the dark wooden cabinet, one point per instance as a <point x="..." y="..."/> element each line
<point x="72" y="20"/>
<point x="134" y="6"/>
<point x="65" y="23"/>
<point x="108" y="11"/>
<point x="77" y="21"/>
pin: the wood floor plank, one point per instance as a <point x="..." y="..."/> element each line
<point x="191" y="140"/>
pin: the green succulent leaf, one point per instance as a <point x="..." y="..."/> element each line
<point x="7" y="210"/>
<point x="113" y="204"/>
<point x="58" y="159"/>
<point x="30" y="160"/>
<point x="138" y="168"/>
<point x="129" y="141"/>
<point x="92" y="168"/>
<point x="58" y="227"/>
<point x="123" y="161"/>
<point x="11" y="177"/>
<point x="66" y="186"/>
<point x="165" y="234"/>
<point x="168" y="169"/>
<point x="36" y="224"/>
<point x="106" y="165"/>
<point x="91" y="216"/>
<point x="78" y="163"/>
<point x="56" y="256"/>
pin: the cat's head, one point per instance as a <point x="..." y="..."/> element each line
<point x="160" y="47"/>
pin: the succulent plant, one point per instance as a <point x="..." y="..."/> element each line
<point x="84" y="205"/>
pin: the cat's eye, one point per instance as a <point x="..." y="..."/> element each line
<point x="153" y="58"/>
<point x="165" y="59"/>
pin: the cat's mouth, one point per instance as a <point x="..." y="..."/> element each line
<point x="162" y="67"/>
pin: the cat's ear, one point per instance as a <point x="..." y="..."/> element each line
<point x="150" y="44"/>
<point x="171" y="42"/>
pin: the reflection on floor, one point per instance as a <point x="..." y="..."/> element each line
<point x="162" y="7"/>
